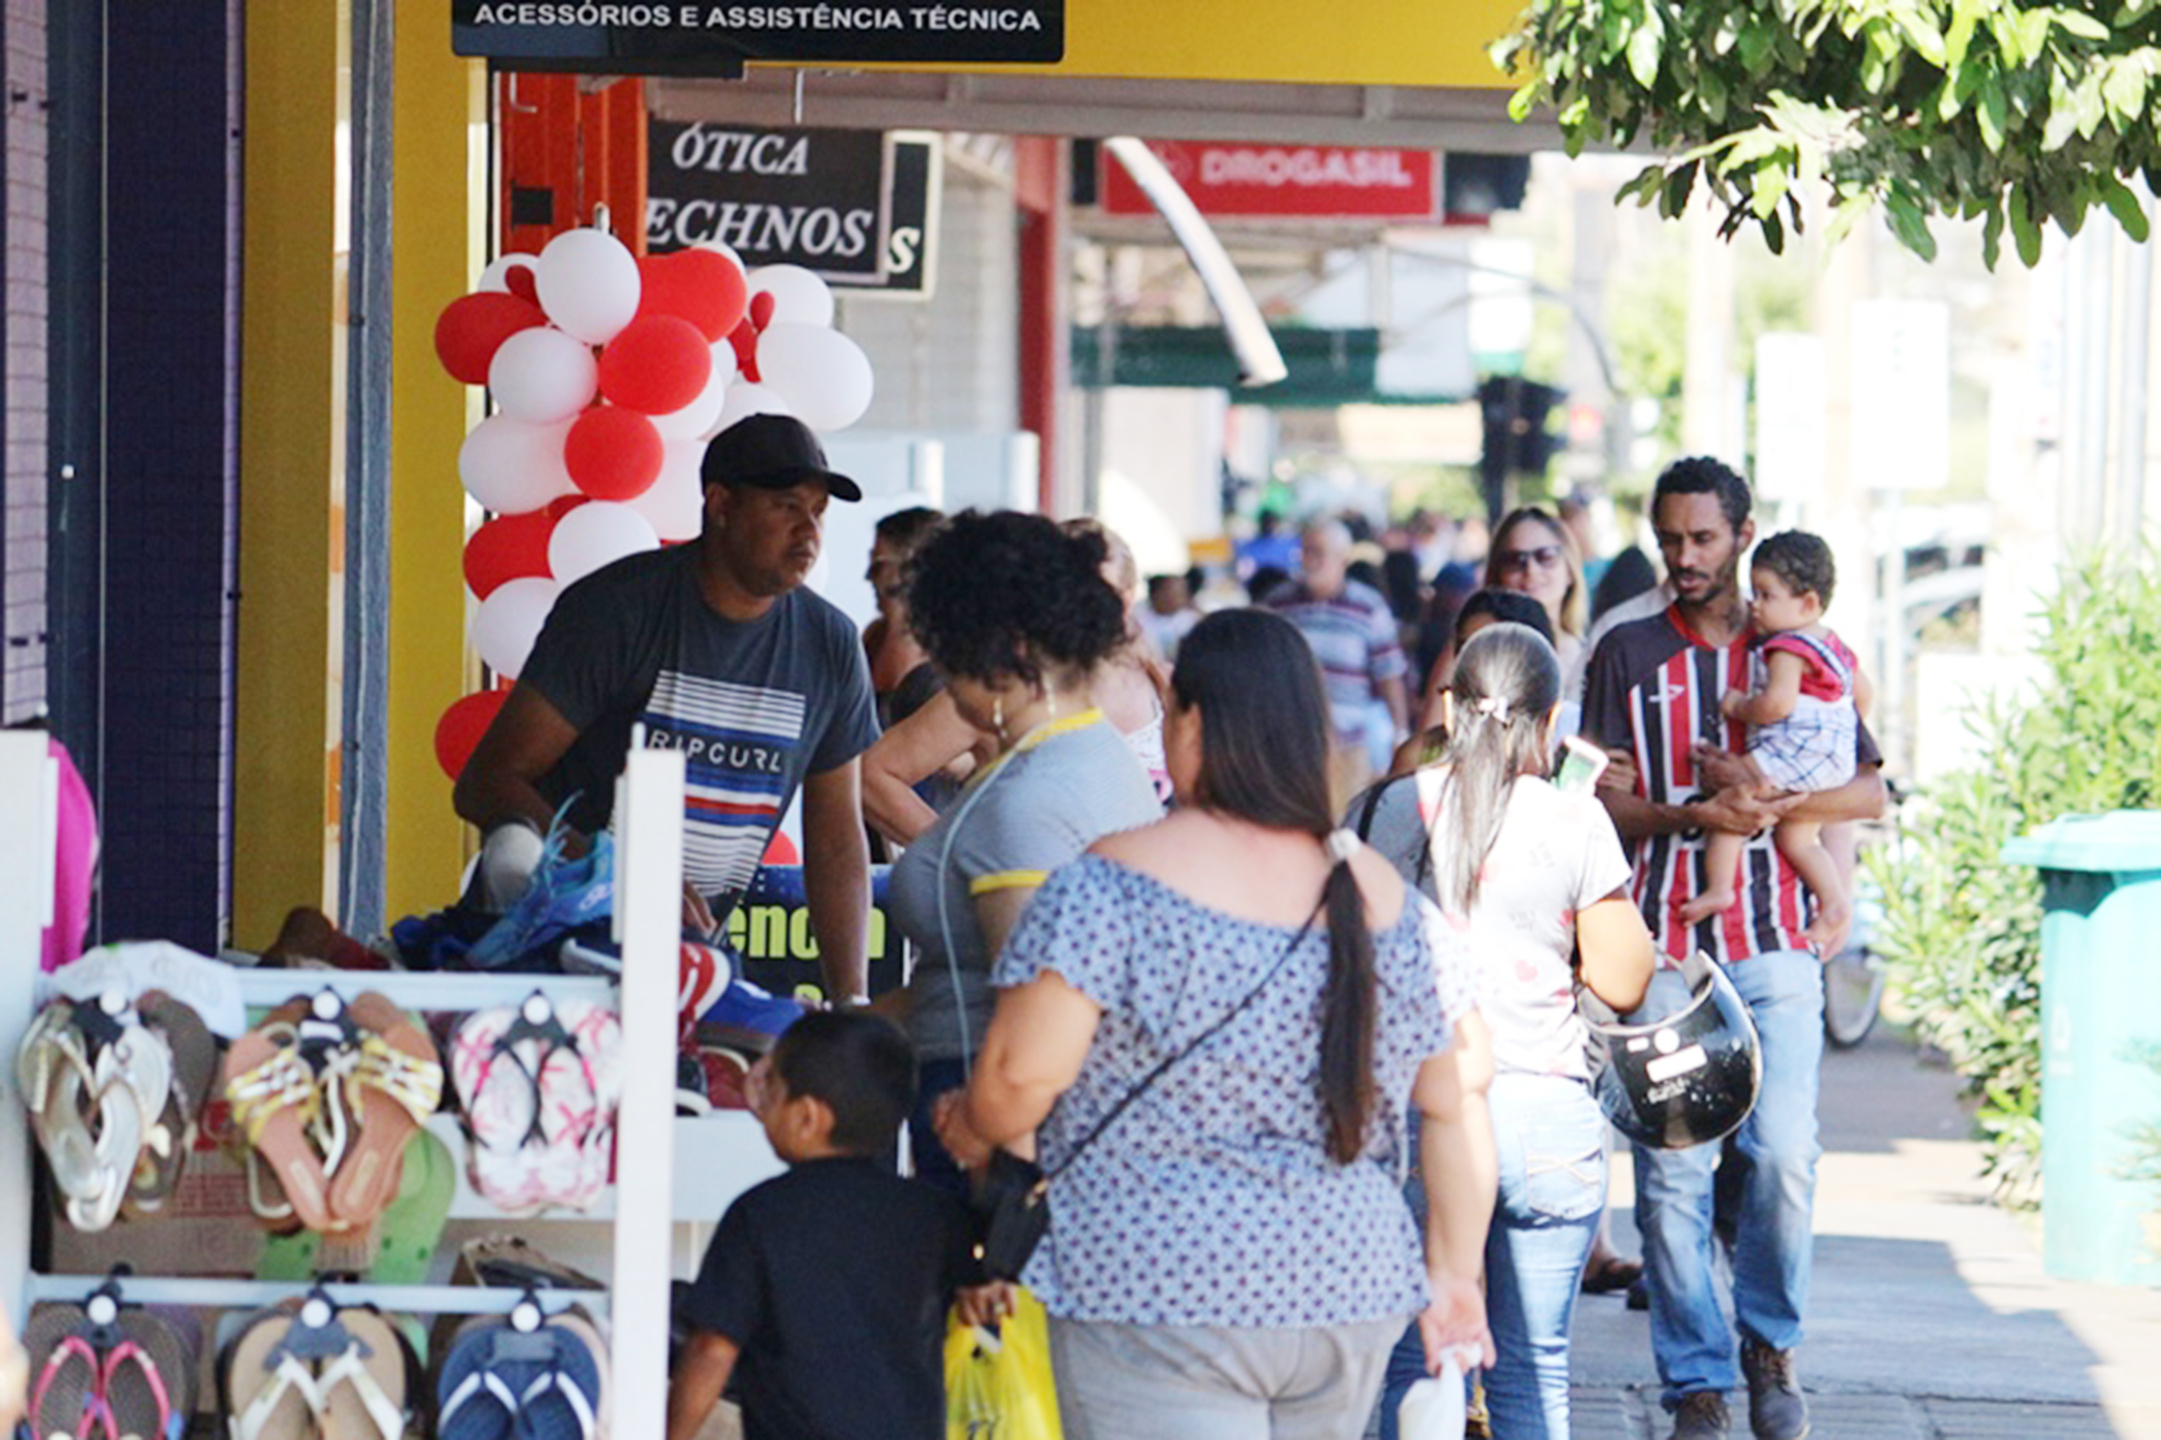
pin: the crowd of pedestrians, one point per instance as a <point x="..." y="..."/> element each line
<point x="1296" y="1052"/>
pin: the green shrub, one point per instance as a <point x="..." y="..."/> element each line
<point x="1962" y="929"/>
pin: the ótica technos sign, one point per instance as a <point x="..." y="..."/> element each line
<point x="708" y="38"/>
<point x="857" y="207"/>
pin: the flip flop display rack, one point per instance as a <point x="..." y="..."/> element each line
<point x="541" y="1066"/>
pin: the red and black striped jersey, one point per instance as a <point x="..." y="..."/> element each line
<point x="1653" y="689"/>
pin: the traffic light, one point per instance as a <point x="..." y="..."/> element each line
<point x="1517" y="440"/>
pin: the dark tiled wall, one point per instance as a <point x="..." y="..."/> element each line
<point x="24" y="464"/>
<point x="171" y="381"/>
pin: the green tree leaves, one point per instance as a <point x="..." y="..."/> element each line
<point x="2018" y="115"/>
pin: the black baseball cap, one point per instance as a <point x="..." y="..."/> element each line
<point x="771" y="452"/>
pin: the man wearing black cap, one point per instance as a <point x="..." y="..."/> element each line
<point x="718" y="650"/>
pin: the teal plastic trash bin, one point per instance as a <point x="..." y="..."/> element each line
<point x="2100" y="1036"/>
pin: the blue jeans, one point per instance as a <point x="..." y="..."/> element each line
<point x="1549" y="1137"/>
<point x="1773" y="1251"/>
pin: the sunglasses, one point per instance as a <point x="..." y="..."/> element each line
<point x="1545" y="557"/>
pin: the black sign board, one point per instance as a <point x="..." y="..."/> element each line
<point x="715" y="37"/>
<point x="769" y="932"/>
<point x="853" y="206"/>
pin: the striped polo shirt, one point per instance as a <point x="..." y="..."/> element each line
<point x="1353" y="637"/>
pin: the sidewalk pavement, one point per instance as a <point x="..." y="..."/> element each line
<point x="1931" y="1317"/>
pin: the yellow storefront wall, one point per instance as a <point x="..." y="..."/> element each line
<point x="285" y="771"/>
<point x="1365" y="42"/>
<point x="287" y="765"/>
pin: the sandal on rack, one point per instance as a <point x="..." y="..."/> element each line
<point x="539" y="1089"/>
<point x="562" y="1402"/>
<point x="394" y="1086"/>
<point x="64" y="1373"/>
<point x="364" y="1388"/>
<point x="276" y="1103"/>
<point x="52" y="1069"/>
<point x="194" y="1052"/>
<point x="268" y="1393"/>
<point x="594" y="1343"/>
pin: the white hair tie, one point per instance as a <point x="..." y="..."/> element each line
<point x="1495" y="706"/>
<point x="1341" y="845"/>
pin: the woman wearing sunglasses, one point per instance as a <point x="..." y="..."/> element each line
<point x="1534" y="554"/>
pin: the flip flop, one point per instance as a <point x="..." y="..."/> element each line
<point x="394" y="1088"/>
<point x="501" y="1106"/>
<point x="64" y="1371"/>
<point x="580" y="1087"/>
<point x="589" y="1334"/>
<point x="138" y="1405"/>
<point x="275" y="1101"/>
<point x="364" y="1390"/>
<point x="120" y="1127"/>
<point x="477" y="1394"/>
<point x="172" y="1338"/>
<point x="410" y="1228"/>
<point x="562" y="1402"/>
<point x="194" y="1052"/>
<point x="52" y="1067"/>
<point x="265" y="1398"/>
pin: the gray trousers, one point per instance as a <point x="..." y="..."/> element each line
<point x="1181" y="1382"/>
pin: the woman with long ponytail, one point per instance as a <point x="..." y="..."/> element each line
<point x="1534" y="877"/>
<point x="1221" y="1023"/>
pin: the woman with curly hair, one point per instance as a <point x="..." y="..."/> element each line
<point x="1128" y="684"/>
<point x="1018" y="618"/>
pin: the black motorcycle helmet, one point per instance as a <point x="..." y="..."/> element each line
<point x="1682" y="1079"/>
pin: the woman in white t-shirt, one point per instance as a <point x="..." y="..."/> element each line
<point x="1533" y="876"/>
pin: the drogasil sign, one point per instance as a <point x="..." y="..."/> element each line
<point x="1313" y="181"/>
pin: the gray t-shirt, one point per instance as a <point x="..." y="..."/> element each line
<point x="1556" y="853"/>
<point x="753" y="705"/>
<point x="1032" y="812"/>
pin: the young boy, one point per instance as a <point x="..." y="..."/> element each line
<point x="824" y="1291"/>
<point x="1803" y="716"/>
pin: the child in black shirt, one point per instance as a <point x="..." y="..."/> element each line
<point x="824" y="1291"/>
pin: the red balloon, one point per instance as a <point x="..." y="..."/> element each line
<point x="510" y="547"/>
<point x="657" y="364"/>
<point x="744" y="338"/>
<point x="522" y="282"/>
<point x="704" y="287"/>
<point x="562" y="505"/>
<point x="473" y="327"/>
<point x="762" y="306"/>
<point x="462" y="726"/>
<point x="613" y="454"/>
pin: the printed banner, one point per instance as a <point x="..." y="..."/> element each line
<point x="716" y="39"/>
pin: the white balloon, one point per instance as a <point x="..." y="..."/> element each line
<point x="675" y="505"/>
<point x="722" y="247"/>
<point x="509" y="621"/>
<point x="823" y="375"/>
<point x="597" y="533"/>
<point x="725" y="363"/>
<point x="746" y="399"/>
<point x="799" y="297"/>
<point x="497" y="275"/>
<point x="698" y="416"/>
<point x="543" y="375"/>
<point x="512" y="466"/>
<point x="588" y="283"/>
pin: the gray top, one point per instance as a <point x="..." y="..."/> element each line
<point x="1058" y="792"/>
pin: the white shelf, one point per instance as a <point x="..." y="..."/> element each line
<point x="440" y="990"/>
<point x="260" y="1294"/>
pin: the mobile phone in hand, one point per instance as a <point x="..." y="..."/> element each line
<point x="1581" y="765"/>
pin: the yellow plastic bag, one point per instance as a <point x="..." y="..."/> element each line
<point x="998" y="1387"/>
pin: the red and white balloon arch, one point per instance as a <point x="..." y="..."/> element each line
<point x="609" y="373"/>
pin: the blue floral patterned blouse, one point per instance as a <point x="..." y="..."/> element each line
<point x="1212" y="1200"/>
